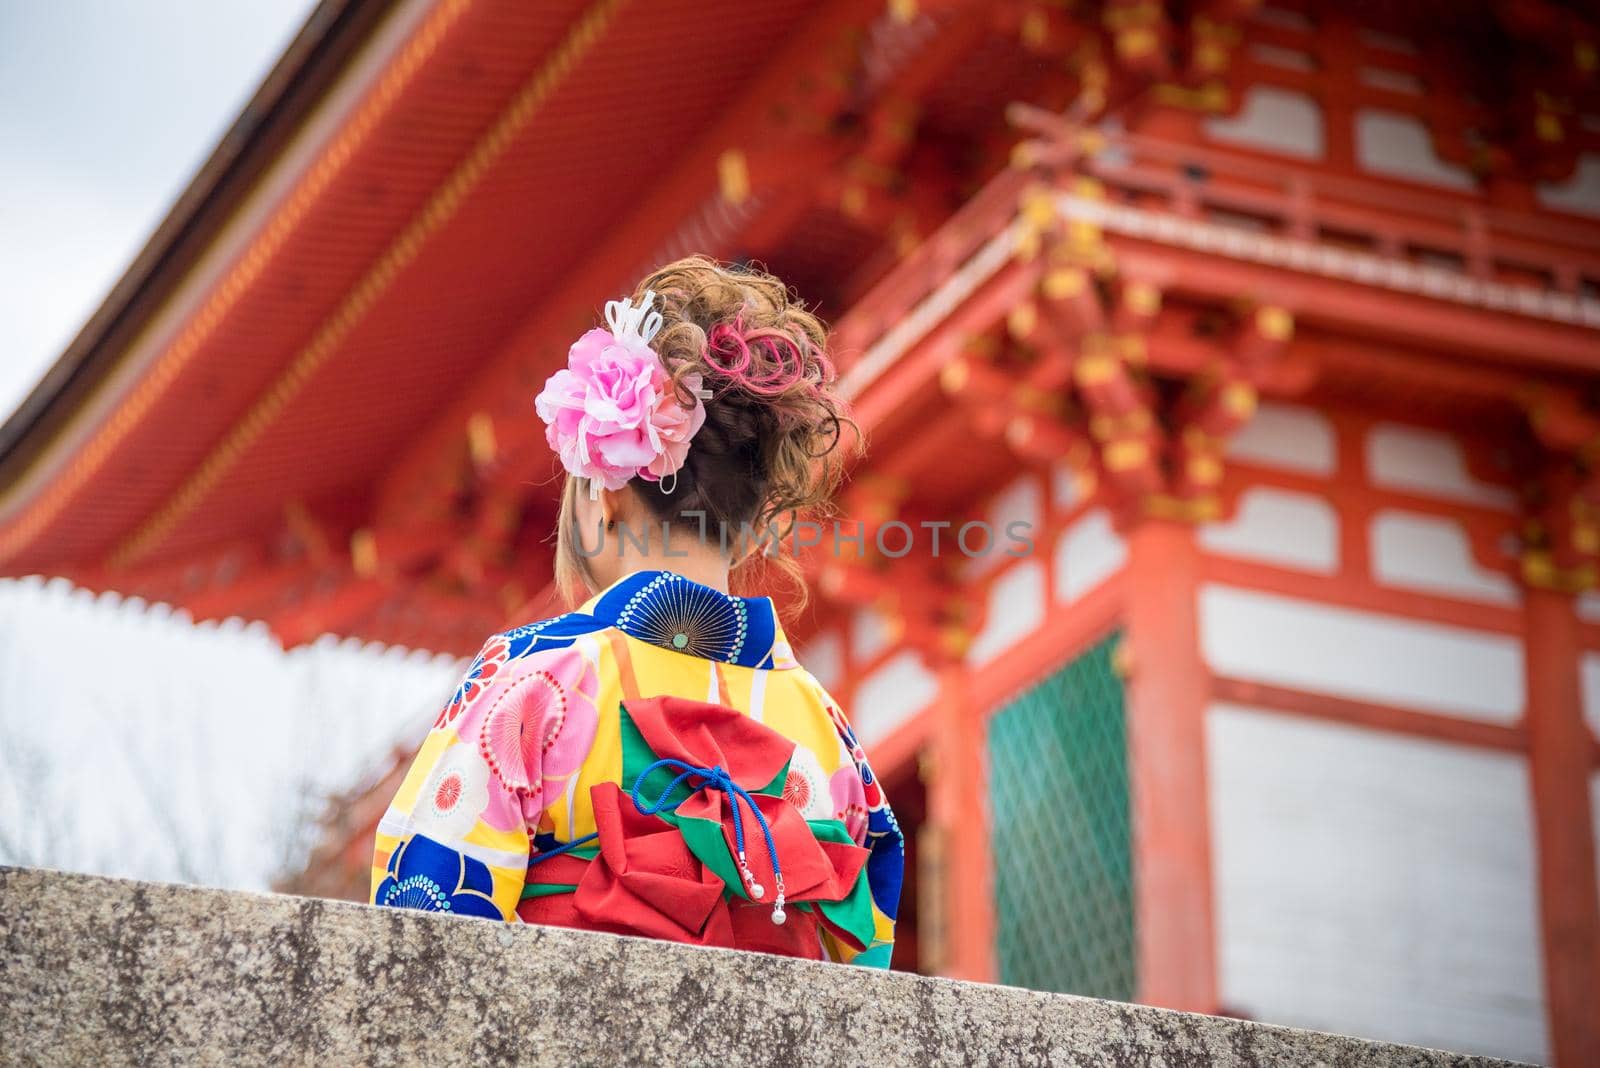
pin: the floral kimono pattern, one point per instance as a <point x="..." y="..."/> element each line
<point x="654" y="764"/>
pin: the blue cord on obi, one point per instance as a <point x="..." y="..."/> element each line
<point x="565" y="847"/>
<point x="714" y="778"/>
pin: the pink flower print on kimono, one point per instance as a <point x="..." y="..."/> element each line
<point x="538" y="723"/>
<point x="455" y="794"/>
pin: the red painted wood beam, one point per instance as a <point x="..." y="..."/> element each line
<point x="1070" y="633"/>
<point x="1353" y="590"/>
<point x="174" y="580"/>
<point x="1559" y="767"/>
<point x="1368" y="311"/>
<point x="1168" y="691"/>
<point x="916" y="369"/>
<point x="958" y="807"/>
<point x="897" y="752"/>
<point x="1173" y="350"/>
<point x="889" y="301"/>
<point x="388" y="551"/>
<point x="339" y="613"/>
<point x="255" y="596"/>
<point x="1484" y="522"/>
<point x="1405" y="367"/>
<point x="1366" y="714"/>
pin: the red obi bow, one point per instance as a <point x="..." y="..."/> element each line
<point x="685" y="876"/>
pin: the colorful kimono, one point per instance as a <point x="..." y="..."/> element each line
<point x="657" y="764"/>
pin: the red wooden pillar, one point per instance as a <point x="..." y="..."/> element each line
<point x="1168" y="689"/>
<point x="958" y="808"/>
<point x="1560" y="760"/>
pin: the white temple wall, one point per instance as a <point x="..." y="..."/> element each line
<point x="1368" y="880"/>
<point x="1373" y="883"/>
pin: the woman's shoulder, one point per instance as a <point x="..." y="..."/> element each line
<point x="557" y="632"/>
<point x="530" y="645"/>
<point x="550" y="645"/>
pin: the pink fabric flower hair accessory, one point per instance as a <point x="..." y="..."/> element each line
<point x="612" y="413"/>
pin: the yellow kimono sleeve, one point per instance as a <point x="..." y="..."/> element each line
<point x="454" y="838"/>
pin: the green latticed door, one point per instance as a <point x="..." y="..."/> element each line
<point x="1058" y="793"/>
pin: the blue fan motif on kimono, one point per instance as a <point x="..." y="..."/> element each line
<point x="674" y="613"/>
<point x="430" y="877"/>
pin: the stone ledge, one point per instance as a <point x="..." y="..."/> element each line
<point x="109" y="971"/>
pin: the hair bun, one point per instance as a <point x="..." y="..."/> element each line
<point x="770" y="443"/>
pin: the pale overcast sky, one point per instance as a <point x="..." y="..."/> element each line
<point x="131" y="741"/>
<point x="107" y="108"/>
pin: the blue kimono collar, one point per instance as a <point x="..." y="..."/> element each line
<point x="673" y="612"/>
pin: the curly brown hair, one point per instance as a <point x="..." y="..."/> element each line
<point x="769" y="453"/>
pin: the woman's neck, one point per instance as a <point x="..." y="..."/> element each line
<point x="713" y="573"/>
<point x="688" y="557"/>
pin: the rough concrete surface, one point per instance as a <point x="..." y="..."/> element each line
<point x="108" y="971"/>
